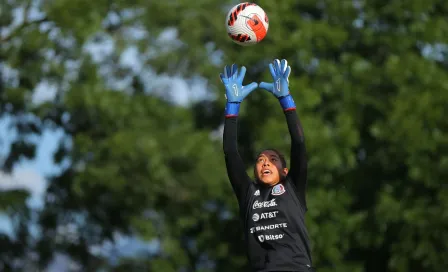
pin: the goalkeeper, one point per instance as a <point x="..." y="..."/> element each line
<point x="273" y="206"/>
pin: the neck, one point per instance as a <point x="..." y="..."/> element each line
<point x="268" y="184"/>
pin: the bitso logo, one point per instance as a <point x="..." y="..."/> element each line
<point x="273" y="237"/>
<point x="270" y="237"/>
<point x="278" y="189"/>
<point x="255" y="217"/>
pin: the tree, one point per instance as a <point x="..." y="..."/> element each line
<point x="369" y="82"/>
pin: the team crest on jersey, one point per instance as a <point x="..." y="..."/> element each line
<point x="278" y="189"/>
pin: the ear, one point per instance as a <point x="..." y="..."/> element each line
<point x="285" y="171"/>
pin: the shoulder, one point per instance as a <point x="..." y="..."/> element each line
<point x="251" y="191"/>
<point x="289" y="185"/>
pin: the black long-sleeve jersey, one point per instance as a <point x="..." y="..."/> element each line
<point x="273" y="217"/>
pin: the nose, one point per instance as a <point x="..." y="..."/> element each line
<point x="266" y="163"/>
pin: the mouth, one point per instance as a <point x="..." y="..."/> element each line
<point x="266" y="172"/>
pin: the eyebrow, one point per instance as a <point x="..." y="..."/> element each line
<point x="270" y="156"/>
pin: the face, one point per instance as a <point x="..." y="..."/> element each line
<point x="268" y="168"/>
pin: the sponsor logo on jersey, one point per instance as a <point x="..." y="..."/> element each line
<point x="268" y="227"/>
<point x="278" y="189"/>
<point x="265" y="215"/>
<point x="264" y="204"/>
<point x="257" y="193"/>
<point x="270" y="237"/>
<point x="255" y="217"/>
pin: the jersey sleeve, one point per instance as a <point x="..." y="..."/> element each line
<point x="298" y="166"/>
<point x="236" y="169"/>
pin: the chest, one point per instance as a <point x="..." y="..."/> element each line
<point x="271" y="205"/>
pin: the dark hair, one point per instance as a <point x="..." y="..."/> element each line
<point x="279" y="154"/>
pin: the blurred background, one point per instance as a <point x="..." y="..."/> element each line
<point x="111" y="126"/>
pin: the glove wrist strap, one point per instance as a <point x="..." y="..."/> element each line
<point x="232" y="109"/>
<point x="287" y="103"/>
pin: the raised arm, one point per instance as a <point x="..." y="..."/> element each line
<point x="236" y="169"/>
<point x="235" y="94"/>
<point x="280" y="89"/>
<point x="298" y="165"/>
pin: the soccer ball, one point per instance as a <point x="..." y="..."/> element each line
<point x="247" y="24"/>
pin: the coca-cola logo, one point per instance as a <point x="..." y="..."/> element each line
<point x="264" y="204"/>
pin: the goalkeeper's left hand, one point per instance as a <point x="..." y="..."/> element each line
<point x="280" y="74"/>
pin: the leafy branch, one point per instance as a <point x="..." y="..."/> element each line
<point x="26" y="22"/>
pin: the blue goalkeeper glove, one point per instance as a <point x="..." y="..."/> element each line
<point x="235" y="91"/>
<point x="280" y="72"/>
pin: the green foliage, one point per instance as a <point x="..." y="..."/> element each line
<point x="12" y="199"/>
<point x="370" y="82"/>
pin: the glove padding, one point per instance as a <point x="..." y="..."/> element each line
<point x="280" y="72"/>
<point x="233" y="82"/>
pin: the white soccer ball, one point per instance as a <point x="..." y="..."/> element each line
<point x="247" y="24"/>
